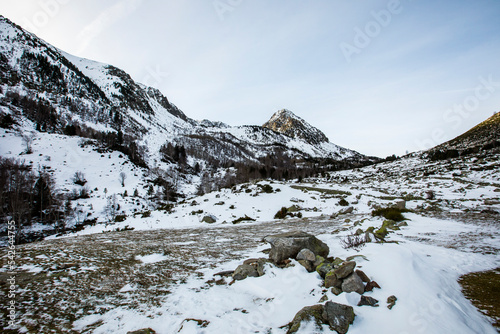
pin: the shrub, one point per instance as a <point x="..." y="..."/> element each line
<point x="79" y="178"/>
<point x="390" y="213"/>
<point x="281" y="214"/>
<point x="353" y="241"/>
<point x="266" y="188"/>
<point x="120" y="218"/>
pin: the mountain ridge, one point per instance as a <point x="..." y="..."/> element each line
<point x="101" y="98"/>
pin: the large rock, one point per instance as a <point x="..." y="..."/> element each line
<point x="306" y="254"/>
<point x="353" y="283"/>
<point x="345" y="269"/>
<point x="338" y="316"/>
<point x="288" y="245"/>
<point x="245" y="270"/>
<point x="308" y="313"/>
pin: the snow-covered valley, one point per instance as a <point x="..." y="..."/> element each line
<point x="157" y="270"/>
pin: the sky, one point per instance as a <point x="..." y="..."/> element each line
<point x="380" y="77"/>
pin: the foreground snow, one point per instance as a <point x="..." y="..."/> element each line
<point x="422" y="276"/>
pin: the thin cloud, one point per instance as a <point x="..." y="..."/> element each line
<point x="106" y="19"/>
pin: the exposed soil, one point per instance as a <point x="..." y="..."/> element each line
<point x="483" y="290"/>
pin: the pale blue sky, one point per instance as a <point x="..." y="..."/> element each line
<point x="380" y="77"/>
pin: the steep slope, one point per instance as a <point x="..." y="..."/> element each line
<point x="484" y="136"/>
<point x="52" y="91"/>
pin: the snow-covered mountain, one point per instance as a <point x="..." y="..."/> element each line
<point x="102" y="101"/>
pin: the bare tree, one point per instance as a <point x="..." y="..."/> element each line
<point x="28" y="142"/>
<point x="122" y="178"/>
<point x="112" y="208"/>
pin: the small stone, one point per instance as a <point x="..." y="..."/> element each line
<point x="346" y="269"/>
<point x="338" y="316"/>
<point x="307" y="264"/>
<point x="323" y="299"/>
<point x="142" y="331"/>
<point x="336" y="291"/>
<point x="331" y="280"/>
<point x="363" y="276"/>
<point x="226" y="273"/>
<point x="345" y="211"/>
<point x="353" y="283"/>
<point x="245" y="270"/>
<point x="368" y="301"/>
<point x="391" y="301"/>
<point x="319" y="260"/>
<point x="306" y="254"/>
<point x="209" y="219"/>
<point x="359" y="232"/>
<point x="324" y="268"/>
<point x="371" y="285"/>
<point x="401" y="205"/>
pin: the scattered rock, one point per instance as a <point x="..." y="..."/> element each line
<point x="288" y="245"/>
<point x="368" y="301"/>
<point x="336" y="291"/>
<point x="353" y="283"/>
<point x="306" y="254"/>
<point x="209" y="219"/>
<point x="324" y="268"/>
<point x="308" y="313"/>
<point x="345" y="211"/>
<point x="308" y="265"/>
<point x="143" y="331"/>
<point x="319" y="260"/>
<point x="371" y="285"/>
<point x="350" y="258"/>
<point x="401" y="205"/>
<point x="323" y="299"/>
<point x="363" y="276"/>
<point x="391" y="301"/>
<point x="331" y="280"/>
<point x="337" y="262"/>
<point x="201" y="323"/>
<point x="226" y="273"/>
<point x="245" y="270"/>
<point x="346" y="269"/>
<point x="359" y="232"/>
<point x="338" y="316"/>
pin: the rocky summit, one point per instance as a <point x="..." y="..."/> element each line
<point x="286" y="122"/>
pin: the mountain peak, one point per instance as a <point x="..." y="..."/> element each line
<point x="286" y="122"/>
